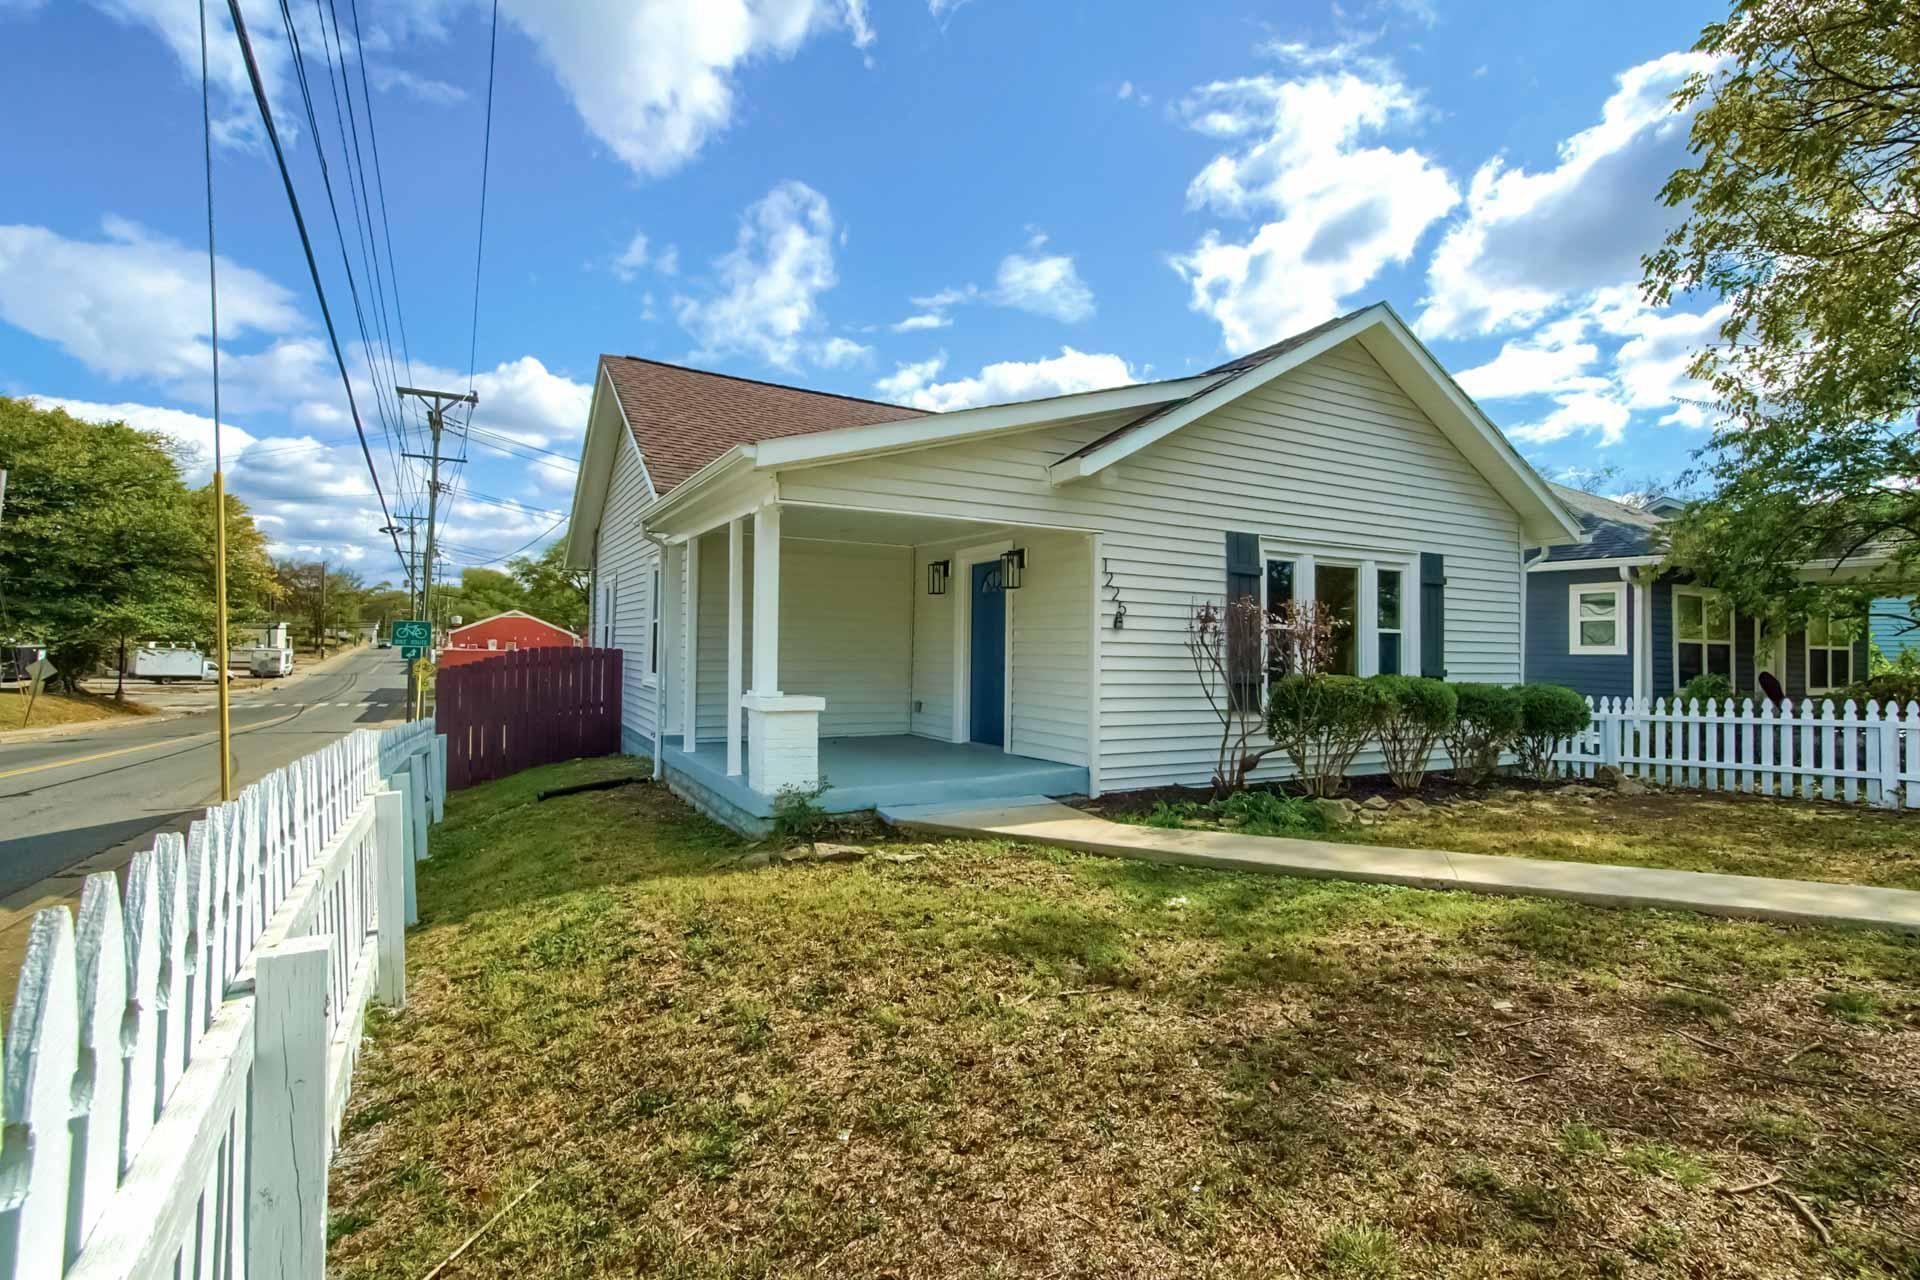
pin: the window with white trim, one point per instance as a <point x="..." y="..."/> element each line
<point x="1702" y="635"/>
<point x="653" y="627"/>
<point x="1830" y="652"/>
<point x="1597" y="619"/>
<point x="1389" y="627"/>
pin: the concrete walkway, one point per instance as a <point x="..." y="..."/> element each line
<point x="1041" y="821"/>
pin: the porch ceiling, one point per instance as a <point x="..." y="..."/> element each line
<point x="841" y="524"/>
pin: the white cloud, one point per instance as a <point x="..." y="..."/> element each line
<point x="1045" y="284"/>
<point x="656" y="82"/>
<point x="134" y="303"/>
<point x="438" y="92"/>
<point x="238" y="119"/>
<point x="1530" y="241"/>
<point x="1337" y="211"/>
<point x="1008" y="380"/>
<point x="782" y="260"/>
<point x="1587" y="412"/>
<point x="835" y="352"/>
<point x="1554" y="360"/>
<point x="640" y="255"/>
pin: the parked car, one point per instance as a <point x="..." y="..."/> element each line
<point x="164" y="663"/>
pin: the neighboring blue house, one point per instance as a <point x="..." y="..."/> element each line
<point x="1603" y="619"/>
<point x="1893" y="625"/>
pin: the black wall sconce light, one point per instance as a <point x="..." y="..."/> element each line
<point x="937" y="576"/>
<point x="1012" y="564"/>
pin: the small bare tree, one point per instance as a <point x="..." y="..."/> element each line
<point x="1227" y="645"/>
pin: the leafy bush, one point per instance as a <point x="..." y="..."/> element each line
<point x="797" y="815"/>
<point x="1173" y="816"/>
<point x="1321" y="722"/>
<point x="1487" y="720"/>
<point x="1548" y="714"/>
<point x="1418" y="712"/>
<point x="1265" y="813"/>
<point x="1706" y="687"/>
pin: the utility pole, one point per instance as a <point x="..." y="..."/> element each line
<point x="437" y="404"/>
<point x="322" y="638"/>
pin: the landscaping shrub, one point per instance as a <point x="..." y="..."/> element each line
<point x="1265" y="813"/>
<point x="1321" y="722"/>
<point x="797" y="815"/>
<point x="1416" y="714"/>
<point x="1706" y="687"/>
<point x="1487" y="720"/>
<point x="1548" y="714"/>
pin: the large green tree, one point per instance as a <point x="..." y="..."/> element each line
<point x="1802" y="214"/>
<point x="553" y="591"/>
<point x="102" y="544"/>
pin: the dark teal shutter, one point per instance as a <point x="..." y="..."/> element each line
<point x="1433" y="615"/>
<point x="1243" y="656"/>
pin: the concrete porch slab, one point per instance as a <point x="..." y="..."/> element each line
<point x="868" y="772"/>
<point x="1043" y="821"/>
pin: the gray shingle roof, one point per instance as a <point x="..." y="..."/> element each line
<point x="1613" y="529"/>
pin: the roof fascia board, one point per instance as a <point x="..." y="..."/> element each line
<point x="591" y="480"/>
<point x="690" y="490"/>
<point x="1223" y="392"/>
<point x="1608" y="562"/>
<point x="963" y="424"/>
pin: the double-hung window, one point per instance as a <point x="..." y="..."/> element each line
<point x="1336" y="588"/>
<point x="653" y="627"/>
<point x="1830" y="653"/>
<point x="1702" y="635"/>
<point x="1389" y="625"/>
<point x="1597" y="619"/>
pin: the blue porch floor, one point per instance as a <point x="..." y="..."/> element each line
<point x="896" y="769"/>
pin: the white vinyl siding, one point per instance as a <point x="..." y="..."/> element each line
<point x="624" y="560"/>
<point x="933" y="647"/>
<point x="1051" y="638"/>
<point x="1330" y="456"/>
<point x="845" y="632"/>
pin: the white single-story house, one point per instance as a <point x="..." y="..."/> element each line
<point x="993" y="602"/>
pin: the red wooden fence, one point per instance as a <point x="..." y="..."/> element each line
<point x="526" y="708"/>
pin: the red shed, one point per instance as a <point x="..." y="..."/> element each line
<point x="503" y="633"/>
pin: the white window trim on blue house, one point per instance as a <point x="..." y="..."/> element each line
<point x="1580" y="591"/>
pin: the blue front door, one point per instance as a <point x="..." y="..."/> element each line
<point x="986" y="707"/>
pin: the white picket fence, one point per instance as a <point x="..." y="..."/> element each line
<point x="1812" y="750"/>
<point x="178" y="1060"/>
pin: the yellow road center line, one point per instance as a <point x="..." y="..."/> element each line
<point x="107" y="755"/>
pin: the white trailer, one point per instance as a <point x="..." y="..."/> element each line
<point x="263" y="661"/>
<point x="163" y="663"/>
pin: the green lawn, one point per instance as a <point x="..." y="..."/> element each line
<point x="982" y="1059"/>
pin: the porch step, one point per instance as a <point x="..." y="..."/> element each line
<point x="970" y="818"/>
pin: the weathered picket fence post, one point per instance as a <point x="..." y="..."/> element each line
<point x="395" y="881"/>
<point x="41" y="1051"/>
<point x="422" y="803"/>
<point x="438" y="763"/>
<point x="287" y="1112"/>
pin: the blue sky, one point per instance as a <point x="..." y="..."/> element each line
<point x="935" y="202"/>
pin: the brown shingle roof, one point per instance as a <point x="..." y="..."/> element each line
<point x="683" y="418"/>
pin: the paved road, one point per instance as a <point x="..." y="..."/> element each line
<point x="88" y="799"/>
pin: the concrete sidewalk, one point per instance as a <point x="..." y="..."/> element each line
<point x="1042" y="821"/>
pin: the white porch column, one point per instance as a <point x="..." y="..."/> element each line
<point x="766" y="600"/>
<point x="736" y="631"/>
<point x="690" y="618"/>
<point x="783" y="730"/>
<point x="672" y="557"/>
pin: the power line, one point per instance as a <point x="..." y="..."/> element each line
<point x="486" y="155"/>
<point x="313" y="267"/>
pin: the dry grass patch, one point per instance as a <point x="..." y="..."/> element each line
<point x="62" y="708"/>
<point x="990" y="1059"/>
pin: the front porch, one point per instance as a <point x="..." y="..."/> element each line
<point x="892" y="658"/>
<point x="868" y="772"/>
